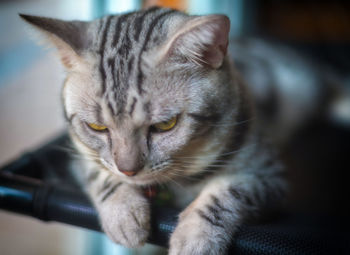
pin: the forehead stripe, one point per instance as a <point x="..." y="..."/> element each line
<point x="151" y="26"/>
<point x="116" y="32"/>
<point x="111" y="64"/>
<point x="139" y="22"/>
<point x="101" y="51"/>
<point x="132" y="107"/>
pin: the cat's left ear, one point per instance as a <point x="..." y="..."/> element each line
<point x="203" y="40"/>
<point x="69" y="37"/>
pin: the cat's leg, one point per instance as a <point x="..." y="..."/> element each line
<point x="207" y="225"/>
<point x="123" y="211"/>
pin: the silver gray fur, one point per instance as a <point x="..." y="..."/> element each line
<point x="128" y="72"/>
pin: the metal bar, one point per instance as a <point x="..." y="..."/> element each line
<point x="67" y="205"/>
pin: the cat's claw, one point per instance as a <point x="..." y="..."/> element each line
<point x="126" y="218"/>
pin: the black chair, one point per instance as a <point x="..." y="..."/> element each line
<point x="39" y="185"/>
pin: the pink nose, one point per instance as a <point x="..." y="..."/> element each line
<point x="128" y="173"/>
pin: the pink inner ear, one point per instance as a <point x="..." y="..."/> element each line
<point x="215" y="52"/>
<point x="203" y="40"/>
<point x="69" y="57"/>
<point x="66" y="61"/>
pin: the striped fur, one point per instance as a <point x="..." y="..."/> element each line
<point x="138" y="69"/>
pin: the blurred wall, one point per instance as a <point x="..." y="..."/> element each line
<point x="30" y="114"/>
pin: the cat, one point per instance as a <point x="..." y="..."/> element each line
<point x="152" y="97"/>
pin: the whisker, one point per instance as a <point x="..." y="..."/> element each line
<point x="172" y="180"/>
<point x="216" y="155"/>
<point x="191" y="162"/>
<point x="232" y="124"/>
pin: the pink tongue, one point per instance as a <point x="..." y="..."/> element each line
<point x="150" y="191"/>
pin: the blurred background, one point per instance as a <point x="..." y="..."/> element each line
<point x="30" y="110"/>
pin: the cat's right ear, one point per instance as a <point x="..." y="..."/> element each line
<point x="69" y="37"/>
<point x="202" y="40"/>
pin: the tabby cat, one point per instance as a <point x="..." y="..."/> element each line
<point x="152" y="97"/>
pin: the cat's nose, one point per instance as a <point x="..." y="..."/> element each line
<point x="128" y="158"/>
<point x="129" y="167"/>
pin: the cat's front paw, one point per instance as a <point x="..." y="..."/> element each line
<point x="125" y="217"/>
<point x="195" y="236"/>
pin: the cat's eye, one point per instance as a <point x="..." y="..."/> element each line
<point x="165" y="125"/>
<point x="97" y="127"/>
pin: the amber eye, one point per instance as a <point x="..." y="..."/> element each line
<point x="97" y="127"/>
<point x="165" y="125"/>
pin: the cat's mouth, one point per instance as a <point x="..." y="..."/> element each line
<point x="140" y="179"/>
<point x="143" y="178"/>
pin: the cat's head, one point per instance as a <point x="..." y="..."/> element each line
<point x="146" y="91"/>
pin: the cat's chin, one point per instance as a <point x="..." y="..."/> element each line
<point x="142" y="180"/>
<point x="145" y="179"/>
